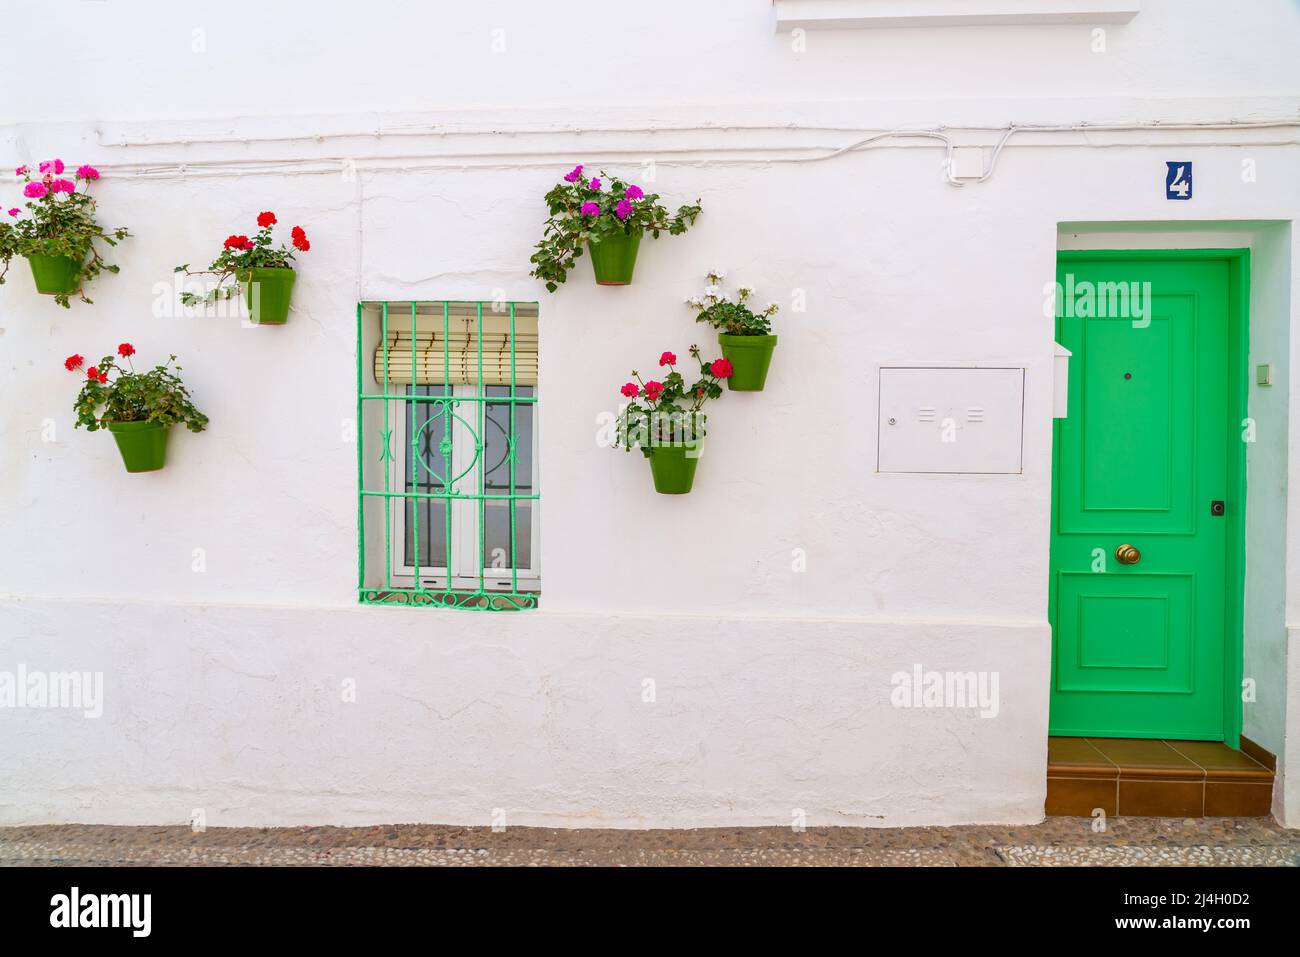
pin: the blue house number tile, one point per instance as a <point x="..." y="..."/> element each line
<point x="1178" y="180"/>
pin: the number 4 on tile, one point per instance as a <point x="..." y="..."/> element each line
<point x="1178" y="180"/>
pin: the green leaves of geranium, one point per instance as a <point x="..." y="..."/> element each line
<point x="623" y="208"/>
<point x="60" y="222"/>
<point x="670" y="413"/>
<point x="158" y="395"/>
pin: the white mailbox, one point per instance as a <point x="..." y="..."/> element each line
<point x="951" y="419"/>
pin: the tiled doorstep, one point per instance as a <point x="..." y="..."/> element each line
<point x="1151" y="778"/>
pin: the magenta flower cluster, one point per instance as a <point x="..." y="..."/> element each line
<point x="622" y="209"/>
<point x="51" y="179"/>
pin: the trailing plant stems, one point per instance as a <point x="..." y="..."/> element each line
<point x="243" y="255"/>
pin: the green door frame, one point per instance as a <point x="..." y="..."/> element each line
<point x="1238" y="408"/>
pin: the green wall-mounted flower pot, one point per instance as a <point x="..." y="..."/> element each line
<point x="614" y="258"/>
<point x="55" y="275"/>
<point x="267" y="293"/>
<point x="673" y="467"/>
<point x="750" y="358"/>
<point x="143" y="444"/>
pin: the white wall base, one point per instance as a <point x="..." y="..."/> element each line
<point x="238" y="711"/>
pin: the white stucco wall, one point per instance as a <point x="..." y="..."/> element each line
<point x="772" y="687"/>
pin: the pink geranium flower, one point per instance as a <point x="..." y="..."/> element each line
<point x="630" y="390"/>
<point x="63" y="186"/>
<point x="594" y="184"/>
<point x="87" y="172"/>
<point x="572" y="175"/>
<point x="623" y="209"/>
<point x="14" y="211"/>
<point x="21" y="171"/>
<point x="590" y="209"/>
<point x="633" y="192"/>
<point x="35" y="190"/>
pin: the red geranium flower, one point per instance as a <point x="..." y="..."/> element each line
<point x="266" y="219"/>
<point x="238" y="242"/>
<point x="103" y="378"/>
<point x="92" y="373"/>
<point x="721" y="368"/>
<point x="300" y="239"/>
<point x="653" y="390"/>
<point x="667" y="359"/>
<point x="73" y="362"/>
<point x="126" y="349"/>
<point x="630" y="390"/>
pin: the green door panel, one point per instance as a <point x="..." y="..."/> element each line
<point x="1142" y="650"/>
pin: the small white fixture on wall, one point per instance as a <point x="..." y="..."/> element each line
<point x="943" y="419"/>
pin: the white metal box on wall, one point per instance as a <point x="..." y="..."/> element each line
<point x="951" y="419"/>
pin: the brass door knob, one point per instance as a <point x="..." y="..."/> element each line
<point x="1127" y="555"/>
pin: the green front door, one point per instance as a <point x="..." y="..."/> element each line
<point x="1143" y="489"/>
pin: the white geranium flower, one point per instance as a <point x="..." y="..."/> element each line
<point x="712" y="291"/>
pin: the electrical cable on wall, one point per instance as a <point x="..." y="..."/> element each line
<point x="898" y="138"/>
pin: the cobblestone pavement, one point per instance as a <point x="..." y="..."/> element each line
<point x="1056" y="842"/>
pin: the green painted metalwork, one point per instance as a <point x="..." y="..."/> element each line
<point x="463" y="415"/>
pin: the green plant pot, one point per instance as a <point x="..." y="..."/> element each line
<point x="143" y="444"/>
<point x="750" y="358"/>
<point x="55" y="275"/>
<point x="614" y="258"/>
<point x="267" y="293"/>
<point x="673" y="467"/>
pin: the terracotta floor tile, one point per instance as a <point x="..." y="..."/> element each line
<point x="1235" y="798"/>
<point x="1079" y="797"/>
<point x="1264" y="757"/>
<point x="1146" y="758"/>
<point x="1075" y="757"/>
<point x="1167" y="798"/>
<point x="1221" y="761"/>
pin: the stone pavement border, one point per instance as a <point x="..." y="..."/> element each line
<point x="1055" y="842"/>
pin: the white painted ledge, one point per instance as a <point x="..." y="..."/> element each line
<point x="872" y="14"/>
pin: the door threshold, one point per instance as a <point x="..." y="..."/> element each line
<point x="1148" y="777"/>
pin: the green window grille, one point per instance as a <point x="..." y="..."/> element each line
<point x="447" y="510"/>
